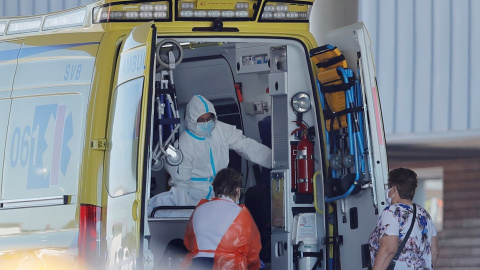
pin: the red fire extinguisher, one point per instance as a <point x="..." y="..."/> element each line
<point x="304" y="162"/>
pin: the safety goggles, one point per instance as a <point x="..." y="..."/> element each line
<point x="204" y="120"/>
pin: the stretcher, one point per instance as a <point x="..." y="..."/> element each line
<point x="341" y="99"/>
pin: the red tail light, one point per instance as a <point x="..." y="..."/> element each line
<point x="88" y="234"/>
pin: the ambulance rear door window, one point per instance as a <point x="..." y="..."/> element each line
<point x="123" y="134"/>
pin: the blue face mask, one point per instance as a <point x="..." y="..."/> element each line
<point x="206" y="127"/>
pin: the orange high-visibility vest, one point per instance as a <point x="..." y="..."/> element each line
<point x="221" y="229"/>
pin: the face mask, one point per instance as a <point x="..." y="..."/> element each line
<point x="206" y="127"/>
<point x="238" y="196"/>
<point x="389" y="199"/>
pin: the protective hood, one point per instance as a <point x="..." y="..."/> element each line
<point x="197" y="106"/>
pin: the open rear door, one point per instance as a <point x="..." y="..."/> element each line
<point x="128" y="152"/>
<point x="357" y="214"/>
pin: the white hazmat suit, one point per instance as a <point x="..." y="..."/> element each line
<point x="204" y="154"/>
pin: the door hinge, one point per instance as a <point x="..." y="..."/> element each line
<point x="99" y="144"/>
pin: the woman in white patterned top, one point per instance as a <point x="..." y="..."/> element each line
<point x="421" y="249"/>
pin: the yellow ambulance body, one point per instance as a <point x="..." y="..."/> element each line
<point x="78" y="126"/>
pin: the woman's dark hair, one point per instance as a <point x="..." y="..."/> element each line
<point x="405" y="180"/>
<point x="226" y="182"/>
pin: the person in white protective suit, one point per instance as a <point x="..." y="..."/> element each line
<point x="205" y="145"/>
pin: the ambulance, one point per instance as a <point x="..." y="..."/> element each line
<point x="92" y="100"/>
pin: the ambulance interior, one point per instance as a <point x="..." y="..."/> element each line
<point x="242" y="79"/>
<point x="267" y="88"/>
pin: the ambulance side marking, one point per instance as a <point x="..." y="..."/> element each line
<point x="43" y="146"/>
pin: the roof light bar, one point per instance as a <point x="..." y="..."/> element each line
<point x="64" y="20"/>
<point x="285" y="11"/>
<point x="226" y="9"/>
<point x="24" y="26"/>
<point x="3" y="26"/>
<point x="128" y="12"/>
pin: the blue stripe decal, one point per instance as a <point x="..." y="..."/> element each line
<point x="200" y="179"/>
<point x="26" y="52"/>
<point x="194" y="136"/>
<point x="204" y="103"/>
<point x="211" y="162"/>
<point x="9" y="55"/>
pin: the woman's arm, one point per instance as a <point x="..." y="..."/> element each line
<point x="435" y="251"/>
<point x="386" y="252"/>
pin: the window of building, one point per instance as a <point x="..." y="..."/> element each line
<point x="429" y="193"/>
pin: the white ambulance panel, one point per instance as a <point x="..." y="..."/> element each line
<point x="43" y="147"/>
<point x="8" y="60"/>
<point x="4" y="111"/>
<point x="42" y="67"/>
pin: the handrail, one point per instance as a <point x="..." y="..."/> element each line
<point x="315" y="192"/>
<point x="185" y="207"/>
<point x="35" y="202"/>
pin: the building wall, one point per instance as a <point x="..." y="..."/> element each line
<point x="460" y="238"/>
<point x="426" y="63"/>
<point x="9" y="8"/>
<point x="425" y="56"/>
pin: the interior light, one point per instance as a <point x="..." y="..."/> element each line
<point x="301" y="102"/>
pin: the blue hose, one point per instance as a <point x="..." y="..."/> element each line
<point x="327" y="136"/>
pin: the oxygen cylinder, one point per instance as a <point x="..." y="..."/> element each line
<point x="305" y="164"/>
<point x="307" y="263"/>
<point x="305" y="238"/>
